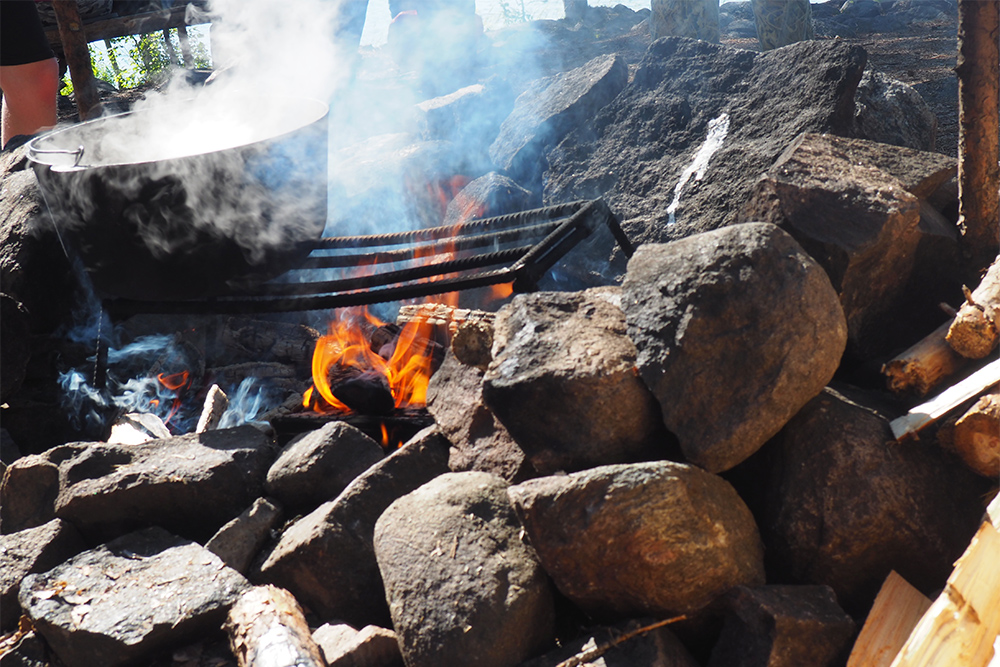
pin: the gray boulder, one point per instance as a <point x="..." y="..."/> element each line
<point x="736" y="329"/>
<point x="657" y="538"/>
<point x="462" y="585"/>
<point x="123" y="601"/>
<point x="563" y="383"/>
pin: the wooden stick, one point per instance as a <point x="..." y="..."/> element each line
<point x="961" y="625"/>
<point x="929" y="412"/>
<point x="978" y="72"/>
<point x="593" y="654"/>
<point x="267" y="628"/>
<point x="896" y="611"/>
<point x="74" y="45"/>
<point x="922" y="367"/>
<point x="974" y="333"/>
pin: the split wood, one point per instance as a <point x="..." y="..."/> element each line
<point x="936" y="408"/>
<point x="596" y="652"/>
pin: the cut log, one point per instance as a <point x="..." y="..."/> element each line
<point x="962" y="624"/>
<point x="974" y="332"/>
<point x="975" y="437"/>
<point x="931" y="411"/>
<point x="896" y="611"/>
<point x="978" y="121"/>
<point x="267" y="628"/>
<point x="923" y="366"/>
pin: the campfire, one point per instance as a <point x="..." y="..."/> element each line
<point x="608" y="349"/>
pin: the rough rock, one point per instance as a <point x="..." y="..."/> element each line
<point x="655" y="648"/>
<point x="469" y="117"/>
<point x="326" y="558"/>
<point x="847" y="504"/>
<point x="237" y="542"/>
<point x="544" y="114"/>
<point x="29" y="551"/>
<point x="657" y="538"/>
<point x="490" y="195"/>
<point x="783" y="626"/>
<point x="317" y="466"/>
<point x="189" y="484"/>
<point x="479" y="441"/>
<point x="123" y="601"/>
<point x="891" y="112"/>
<point x="736" y="329"/>
<point x="371" y="646"/>
<point x="563" y="383"/>
<point x="459" y="580"/>
<point x="652" y="139"/>
<point x="857" y="221"/>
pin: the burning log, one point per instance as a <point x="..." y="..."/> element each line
<point x="974" y="332"/>
<point x="364" y="391"/>
<point x="267" y="628"/>
<point x="924" y="365"/>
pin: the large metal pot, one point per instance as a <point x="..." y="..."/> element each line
<point x="151" y="224"/>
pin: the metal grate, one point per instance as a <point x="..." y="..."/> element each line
<point x="518" y="248"/>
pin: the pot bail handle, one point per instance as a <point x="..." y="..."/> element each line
<point x="77" y="153"/>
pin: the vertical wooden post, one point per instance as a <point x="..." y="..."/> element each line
<point x="182" y="37"/>
<point x="168" y="46"/>
<point x="978" y="149"/>
<point x="74" y="41"/>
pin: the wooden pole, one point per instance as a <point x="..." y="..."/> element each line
<point x="267" y="628"/>
<point x="182" y="37"/>
<point x="978" y="122"/>
<point x="74" y="40"/>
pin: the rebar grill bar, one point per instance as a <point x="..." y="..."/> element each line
<point x="536" y="240"/>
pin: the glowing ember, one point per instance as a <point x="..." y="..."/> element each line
<point x="406" y="367"/>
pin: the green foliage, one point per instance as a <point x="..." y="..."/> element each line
<point x="514" y="11"/>
<point x="136" y="60"/>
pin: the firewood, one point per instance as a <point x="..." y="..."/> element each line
<point x="975" y="436"/>
<point x="439" y="314"/>
<point x="215" y="406"/>
<point x="974" y="332"/>
<point x="896" y="611"/>
<point x="961" y="625"/>
<point x="927" y="413"/>
<point x="923" y="366"/>
<point x="267" y="628"/>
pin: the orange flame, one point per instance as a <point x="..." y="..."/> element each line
<point x="407" y="370"/>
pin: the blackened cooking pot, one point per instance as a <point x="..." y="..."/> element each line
<point x="158" y="206"/>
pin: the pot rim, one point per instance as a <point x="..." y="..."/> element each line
<point x="36" y="147"/>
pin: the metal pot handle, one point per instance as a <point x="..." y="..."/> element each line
<point x="77" y="153"/>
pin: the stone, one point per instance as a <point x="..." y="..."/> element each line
<point x="469" y="117"/>
<point x="372" y="646"/>
<point x="478" y="440"/>
<point x="783" y="626"/>
<point x="489" y="195"/>
<point x="846" y="504"/>
<point x="189" y="484"/>
<point x="563" y="383"/>
<point x="29" y="551"/>
<point x="736" y="329"/>
<point x="858" y="222"/>
<point x="658" y="538"/>
<point x="891" y="112"/>
<point x="237" y="542"/>
<point x="317" y="466"/>
<point x="546" y="112"/>
<point x="123" y="601"/>
<point x="326" y="558"/>
<point x="655" y="648"/>
<point x="459" y="579"/>
<point x="650" y="153"/>
<point x="15" y="345"/>
<point x="695" y="19"/>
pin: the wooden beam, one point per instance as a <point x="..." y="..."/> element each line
<point x="978" y="72"/>
<point x="137" y="24"/>
<point x="74" y="40"/>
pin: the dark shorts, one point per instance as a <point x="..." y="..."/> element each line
<point x="22" y="38"/>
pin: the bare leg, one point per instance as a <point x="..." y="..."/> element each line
<point x="29" y="98"/>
